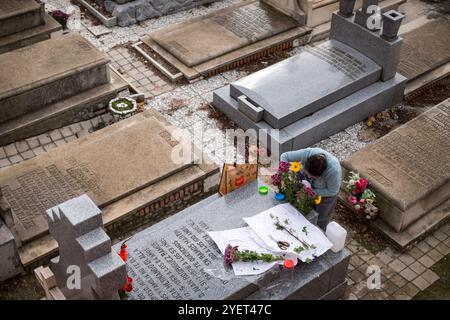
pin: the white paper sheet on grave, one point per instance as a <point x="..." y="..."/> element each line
<point x="245" y="239"/>
<point x="263" y="225"/>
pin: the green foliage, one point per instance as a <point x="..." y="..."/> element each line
<point x="248" y="255"/>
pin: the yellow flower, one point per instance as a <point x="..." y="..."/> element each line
<point x="318" y="199"/>
<point x="296" y="167"/>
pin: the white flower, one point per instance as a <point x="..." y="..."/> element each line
<point x="352" y="182"/>
<point x="357" y="207"/>
<point x="306" y="184"/>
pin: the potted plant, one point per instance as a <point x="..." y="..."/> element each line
<point x="122" y="107"/>
<point x="360" y="197"/>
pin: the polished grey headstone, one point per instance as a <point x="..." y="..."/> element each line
<point x="307" y="82"/>
<point x="323" y="123"/>
<point x="385" y="53"/>
<point x="176" y="258"/>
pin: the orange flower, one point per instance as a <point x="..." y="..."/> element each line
<point x="296" y="167"/>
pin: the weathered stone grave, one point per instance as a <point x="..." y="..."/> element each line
<point x="318" y="12"/>
<point x="223" y="39"/>
<point x="320" y="91"/>
<point x="51" y="84"/>
<point x="176" y="258"/>
<point x="425" y="48"/>
<point x="409" y="170"/>
<point x="84" y="251"/>
<point x="125" y="168"/>
<point x="24" y="22"/>
<point x="9" y="263"/>
<point x="129" y="12"/>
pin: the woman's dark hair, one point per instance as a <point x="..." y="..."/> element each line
<point x="316" y="165"/>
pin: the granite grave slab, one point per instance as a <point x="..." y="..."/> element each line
<point x="425" y="48"/>
<point x="307" y="82"/>
<point x="52" y="84"/>
<point x="176" y="258"/>
<point x="133" y="11"/>
<point x="241" y="32"/>
<point x="18" y="15"/>
<point x="319" y="92"/>
<point x="409" y="170"/>
<point x="107" y="165"/>
<point x="41" y="74"/>
<point x="24" y="22"/>
<point x="221" y="33"/>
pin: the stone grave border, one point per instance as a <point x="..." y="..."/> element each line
<point x="286" y="40"/>
<point x="107" y="22"/>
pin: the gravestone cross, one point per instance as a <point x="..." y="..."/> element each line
<point x="86" y="268"/>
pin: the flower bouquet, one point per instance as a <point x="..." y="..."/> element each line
<point x="233" y="254"/>
<point x="290" y="181"/>
<point x="360" y="197"/>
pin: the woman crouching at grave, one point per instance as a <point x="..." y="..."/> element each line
<point x="323" y="171"/>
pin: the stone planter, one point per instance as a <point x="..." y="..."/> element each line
<point x="121" y="108"/>
<point x="391" y="24"/>
<point x="346" y="7"/>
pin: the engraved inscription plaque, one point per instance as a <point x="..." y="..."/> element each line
<point x="340" y="59"/>
<point x="247" y="22"/>
<point x="108" y="165"/>
<point x="411" y="162"/>
<point x="174" y="266"/>
<point x="45" y="187"/>
<point x="221" y="32"/>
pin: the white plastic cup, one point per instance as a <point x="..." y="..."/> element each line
<point x="337" y="235"/>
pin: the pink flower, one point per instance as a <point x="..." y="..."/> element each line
<point x="228" y="256"/>
<point x="275" y="179"/>
<point x="284" y="166"/>
<point x="353" y="200"/>
<point x="306" y="184"/>
<point x="310" y="192"/>
<point x="361" y="201"/>
<point x="361" y="185"/>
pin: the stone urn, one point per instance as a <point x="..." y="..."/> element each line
<point x="391" y="24"/>
<point x="121" y="108"/>
<point x="346" y="7"/>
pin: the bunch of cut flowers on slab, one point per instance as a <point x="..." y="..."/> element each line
<point x="233" y="254"/>
<point x="292" y="182"/>
<point x="360" y="197"/>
